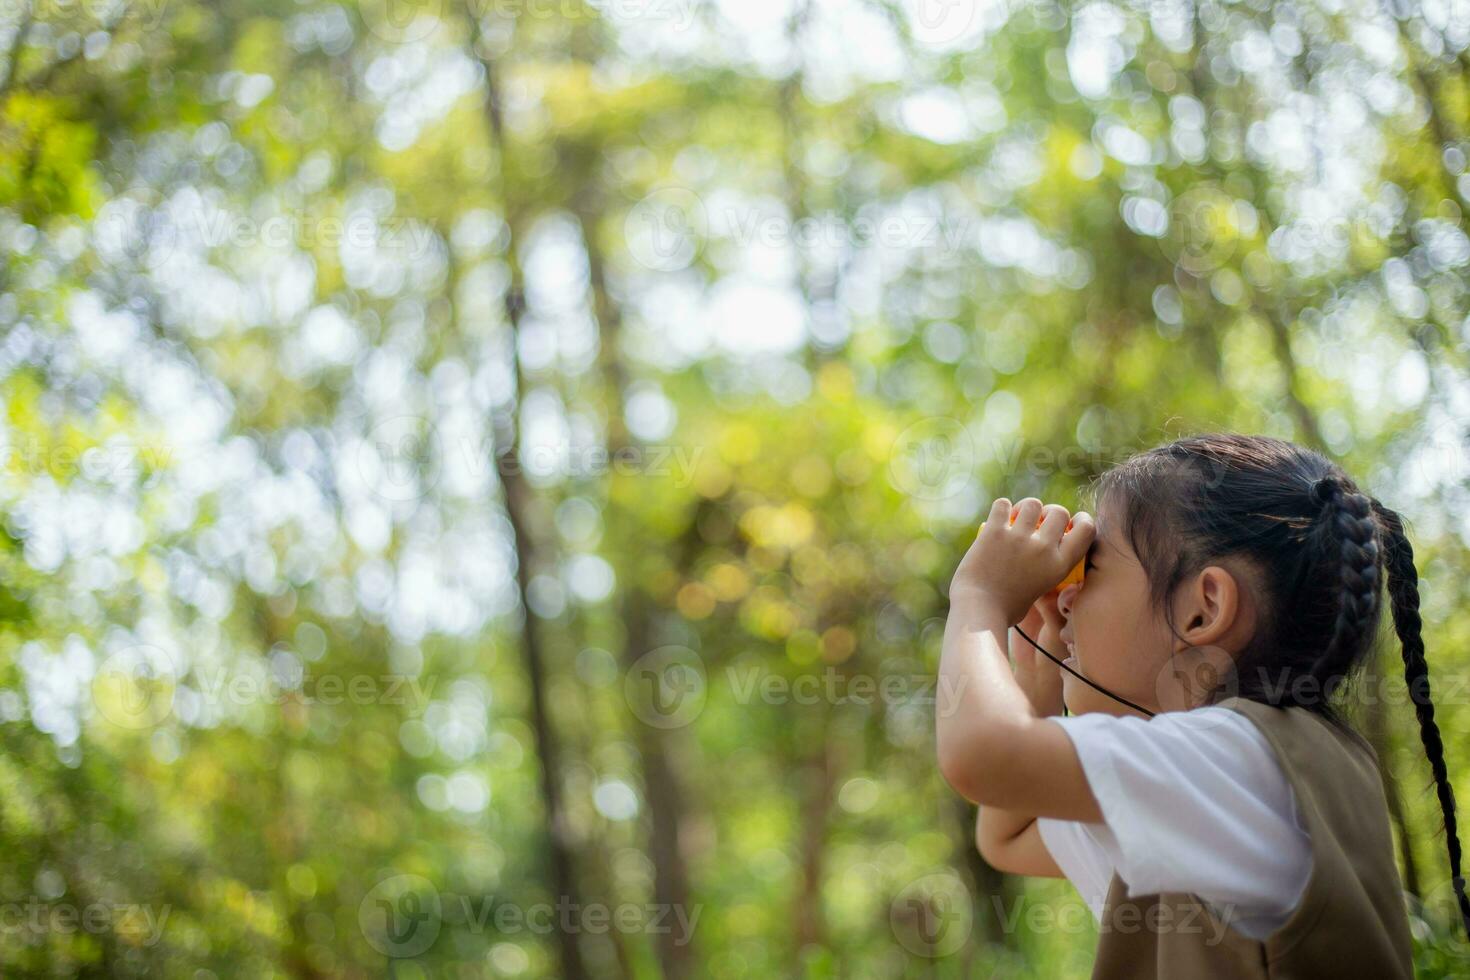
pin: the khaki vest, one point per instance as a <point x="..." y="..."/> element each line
<point x="1352" y="920"/>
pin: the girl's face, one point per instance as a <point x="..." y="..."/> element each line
<point x="1118" y="640"/>
<point x="1113" y="637"/>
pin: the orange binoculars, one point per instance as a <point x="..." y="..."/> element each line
<point x="1074" y="577"/>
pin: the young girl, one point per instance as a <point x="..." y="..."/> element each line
<point x="1206" y="797"/>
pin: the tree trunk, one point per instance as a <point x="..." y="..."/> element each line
<point x="519" y="501"/>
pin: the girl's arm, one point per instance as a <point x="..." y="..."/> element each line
<point x="993" y="747"/>
<point x="1009" y="840"/>
<point x="1021" y="853"/>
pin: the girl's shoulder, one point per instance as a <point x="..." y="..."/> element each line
<point x="1301" y="729"/>
<point x="1192" y="801"/>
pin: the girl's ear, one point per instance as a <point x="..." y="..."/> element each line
<point x="1213" y="622"/>
<point x="1214" y="610"/>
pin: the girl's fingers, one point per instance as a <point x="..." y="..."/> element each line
<point x="1047" y="608"/>
<point x="1076" y="542"/>
<point x="1028" y="513"/>
<point x="1053" y="522"/>
<point x="1035" y="619"/>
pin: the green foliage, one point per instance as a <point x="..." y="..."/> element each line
<point x="466" y="461"/>
<point x="45" y="159"/>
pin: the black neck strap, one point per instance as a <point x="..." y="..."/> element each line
<point x="1096" y="687"/>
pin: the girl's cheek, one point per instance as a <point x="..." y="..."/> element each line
<point x="1080" y="603"/>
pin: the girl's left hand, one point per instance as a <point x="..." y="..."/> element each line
<point x="1012" y="564"/>
<point x="1039" y="677"/>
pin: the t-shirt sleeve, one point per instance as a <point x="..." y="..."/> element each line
<point x="1192" y="801"/>
<point x="1082" y="855"/>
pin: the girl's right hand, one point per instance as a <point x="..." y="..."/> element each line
<point x="1039" y="677"/>
<point x="1011" y="563"/>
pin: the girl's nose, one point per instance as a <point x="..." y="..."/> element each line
<point x="1064" y="600"/>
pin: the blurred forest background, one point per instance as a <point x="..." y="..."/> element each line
<point x="481" y="476"/>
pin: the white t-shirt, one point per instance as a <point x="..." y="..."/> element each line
<point x="1192" y="801"/>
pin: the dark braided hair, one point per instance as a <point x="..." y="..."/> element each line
<point x="1403" y="590"/>
<point x="1350" y="540"/>
<point x="1317" y="549"/>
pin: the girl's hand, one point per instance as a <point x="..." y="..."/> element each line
<point x="1011" y="565"/>
<point x="1039" y="677"/>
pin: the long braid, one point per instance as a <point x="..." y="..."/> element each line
<point x="1403" y="587"/>
<point x="1351" y="538"/>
